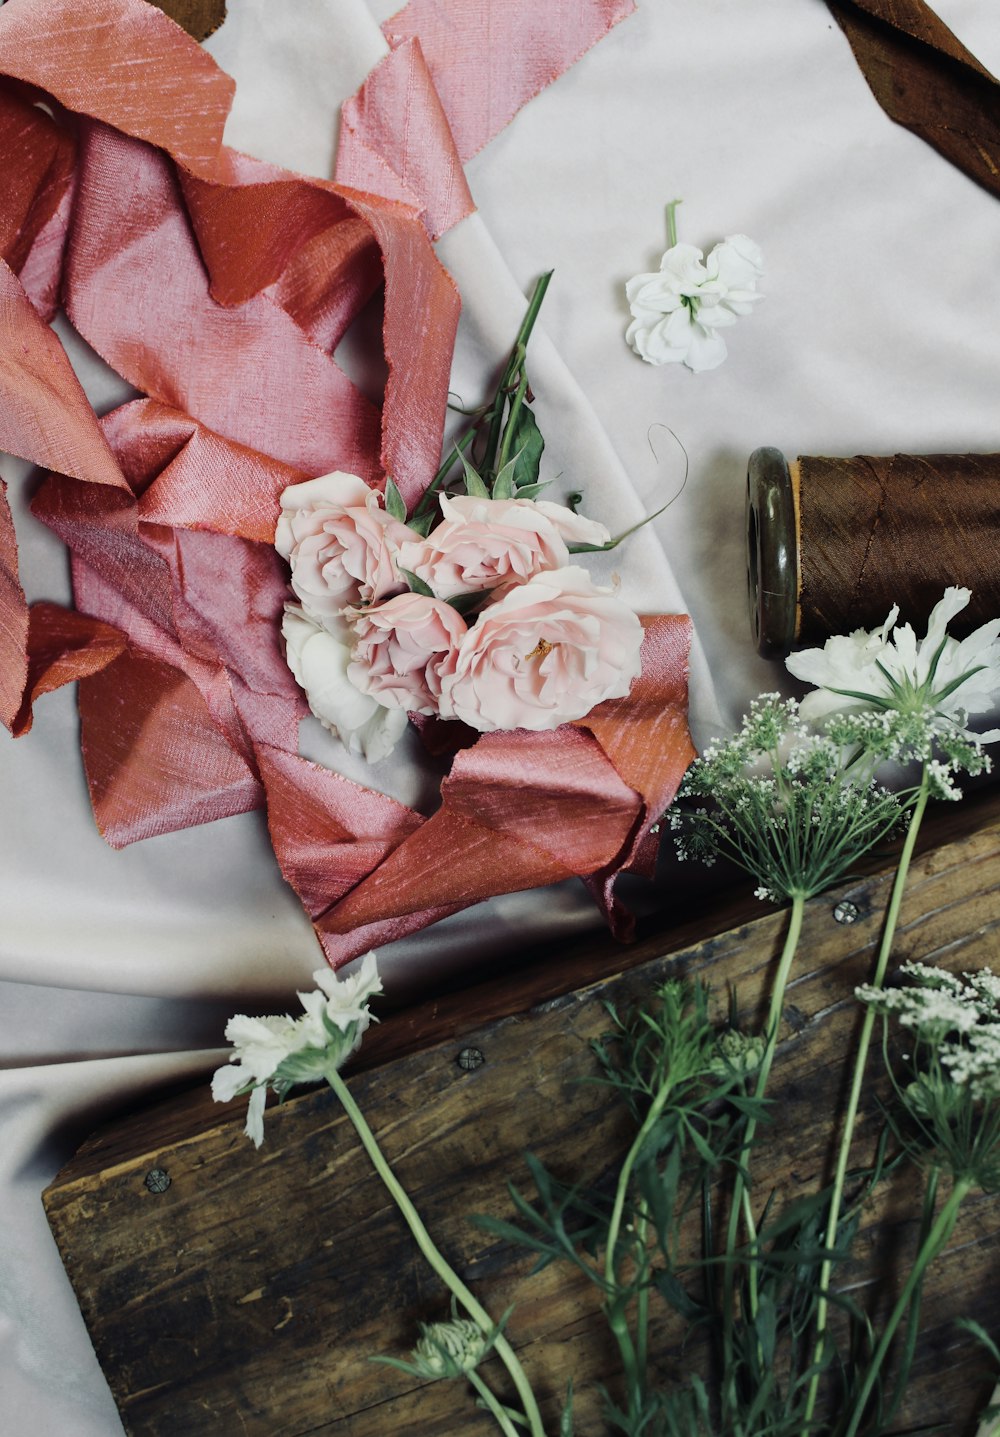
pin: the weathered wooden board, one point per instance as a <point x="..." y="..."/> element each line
<point x="200" y="18"/>
<point x="246" y="1298"/>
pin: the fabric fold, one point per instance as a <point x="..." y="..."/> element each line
<point x="219" y="287"/>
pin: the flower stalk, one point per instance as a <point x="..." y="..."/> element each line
<point x="857" y="1084"/>
<point x="435" y="1258"/>
<point x="934" y="1243"/>
<point x="740" y="1203"/>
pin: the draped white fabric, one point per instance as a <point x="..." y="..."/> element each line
<point x="879" y="333"/>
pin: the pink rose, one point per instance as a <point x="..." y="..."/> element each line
<point x="487" y="544"/>
<point x="340" y="543"/>
<point x="571" y="528"/>
<point x="545" y="653"/>
<point x="403" y="649"/>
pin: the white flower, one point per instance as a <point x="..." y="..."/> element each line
<point x="888" y="668"/>
<point x="959" y="1018"/>
<point x="319" y="656"/>
<point x="346" y="999"/>
<point x="677" y="312"/>
<point x="279" y="1051"/>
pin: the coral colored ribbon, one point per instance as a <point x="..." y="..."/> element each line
<point x="219" y="287"/>
<point x="457" y="73"/>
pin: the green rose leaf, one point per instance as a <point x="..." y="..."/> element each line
<point x="527" y="444"/>
<point x="394" y="501"/>
<point x="417" y="584"/>
<point x="474" y="485"/>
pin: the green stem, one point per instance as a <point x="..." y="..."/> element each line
<point x="913" y="1315"/>
<point x="642" y="1298"/>
<point x="426" y="1245"/>
<point x="447" y="465"/>
<point x="632" y="1364"/>
<point x="857" y="1083"/>
<point x="508" y="433"/>
<point x="492" y="1404"/>
<point x="511" y="369"/>
<point x="672" y="223"/>
<point x="740" y="1204"/>
<point x="932" y="1245"/>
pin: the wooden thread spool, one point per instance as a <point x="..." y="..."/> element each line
<point x="832" y="544"/>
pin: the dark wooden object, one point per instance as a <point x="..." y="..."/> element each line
<point x="200" y="18"/>
<point x="244" y="1300"/>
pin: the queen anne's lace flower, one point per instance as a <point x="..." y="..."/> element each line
<point x="959" y="1018"/>
<point x="678" y="311"/>
<point x="450" y="1349"/>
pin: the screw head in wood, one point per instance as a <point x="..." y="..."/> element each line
<point x="469" y="1059"/>
<point x="157" y="1180"/>
<point x="846" y="911"/>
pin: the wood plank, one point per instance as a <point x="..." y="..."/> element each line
<point x="246" y="1298"/>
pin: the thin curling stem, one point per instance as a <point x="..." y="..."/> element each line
<point x="441" y="1266"/>
<point x="857" y="1083"/>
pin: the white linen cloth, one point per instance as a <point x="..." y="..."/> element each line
<point x="879" y="333"/>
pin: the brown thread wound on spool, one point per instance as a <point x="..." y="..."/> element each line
<point x="795" y="480"/>
<point x="854" y="600"/>
<point x="876" y="531"/>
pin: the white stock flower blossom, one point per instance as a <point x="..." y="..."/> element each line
<point x="938" y="678"/>
<point x="678" y="311"/>
<point x="278" y="1051"/>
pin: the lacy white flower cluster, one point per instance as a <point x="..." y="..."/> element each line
<point x="783" y="805"/>
<point x="485" y="619"/>
<point x="280" y="1051"/>
<point x="678" y="311"/>
<point x="958" y="1017"/>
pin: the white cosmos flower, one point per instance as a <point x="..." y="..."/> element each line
<point x="318" y="656"/>
<point x="938" y="677"/>
<point x="278" y="1051"/>
<point x="678" y="311"/>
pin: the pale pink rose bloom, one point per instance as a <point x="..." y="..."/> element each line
<point x="486" y="544"/>
<point x="571" y="528"/>
<point x="545" y="653"/>
<point x="403" y="649"/>
<point x="340" y="543"/>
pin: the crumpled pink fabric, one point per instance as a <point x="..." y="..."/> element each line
<point x="220" y="286"/>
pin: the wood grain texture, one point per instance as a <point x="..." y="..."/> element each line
<point x="247" y="1297"/>
<point x="200" y="18"/>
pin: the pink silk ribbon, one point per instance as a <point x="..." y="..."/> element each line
<point x="220" y="286"/>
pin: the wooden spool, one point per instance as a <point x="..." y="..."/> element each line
<point x="833" y="544"/>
